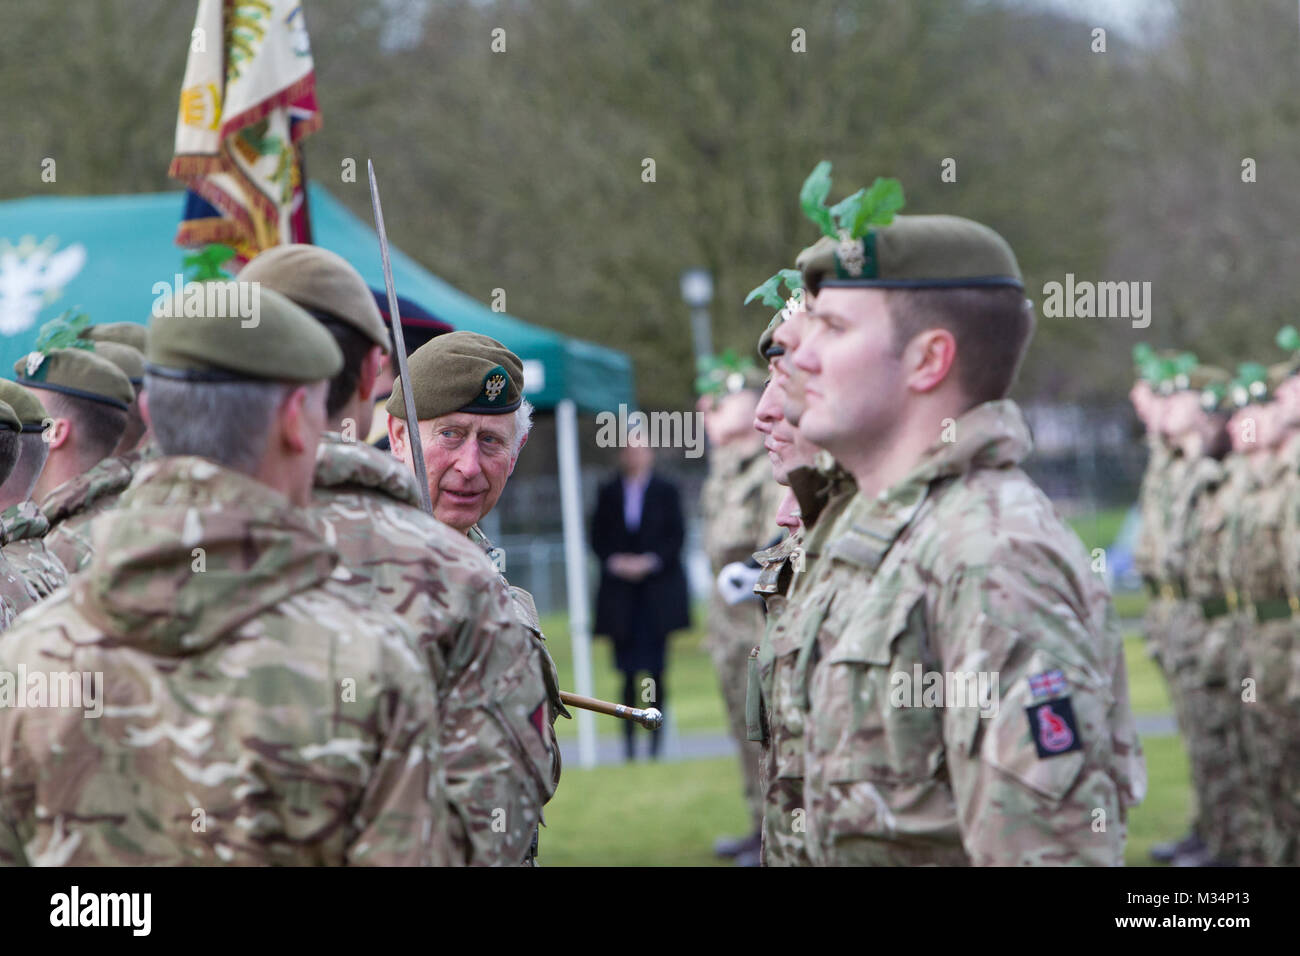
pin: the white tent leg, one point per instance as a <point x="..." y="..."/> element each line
<point x="575" y="571"/>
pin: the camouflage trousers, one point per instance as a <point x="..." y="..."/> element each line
<point x="734" y="630"/>
<point x="1206" y="668"/>
<point x="1271" y="725"/>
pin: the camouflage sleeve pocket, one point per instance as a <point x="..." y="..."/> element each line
<point x="1047" y="721"/>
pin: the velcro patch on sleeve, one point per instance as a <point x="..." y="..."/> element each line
<point x="1053" y="727"/>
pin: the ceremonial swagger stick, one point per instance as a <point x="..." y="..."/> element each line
<point x="650" y="718"/>
<point x="403" y="370"/>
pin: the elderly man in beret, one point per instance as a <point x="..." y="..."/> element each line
<point x="440" y="582"/>
<point x="1008" y="734"/>
<point x="252" y="709"/>
<point x="473" y="421"/>
<point x="24" y="525"/>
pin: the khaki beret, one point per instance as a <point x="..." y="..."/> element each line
<point x="913" y="252"/>
<point x="766" y="347"/>
<point x="124" y="333"/>
<point x="242" y="332"/>
<point x="25" y="404"/>
<point x="128" y="359"/>
<point x="76" y="372"/>
<point x="320" y="281"/>
<point x="461" y="372"/>
<point x="9" y="418"/>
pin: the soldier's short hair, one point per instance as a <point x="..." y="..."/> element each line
<point x="226" y="422"/>
<point x="33" y="449"/>
<point x="992" y="327"/>
<point x="98" y="427"/>
<point x="10" y="447"/>
<point x="354" y="346"/>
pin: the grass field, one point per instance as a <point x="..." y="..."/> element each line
<point x="668" y="814"/>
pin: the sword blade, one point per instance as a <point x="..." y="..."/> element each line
<point x="403" y="370"/>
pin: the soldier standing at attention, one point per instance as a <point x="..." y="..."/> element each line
<point x="474" y="420"/>
<point x="24" y="524"/>
<point x="1258" y="547"/>
<point x="775" y="702"/>
<point x="1195" y="421"/>
<point x="398" y="557"/>
<point x="251" y="711"/>
<point x="950" y="562"/>
<point x="738" y="505"/>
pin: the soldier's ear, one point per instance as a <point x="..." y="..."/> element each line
<point x="142" y="402"/>
<point x="369" y="373"/>
<point x="397" y="443"/>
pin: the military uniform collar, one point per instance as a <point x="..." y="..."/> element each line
<point x="340" y="462"/>
<point x="990" y="435"/>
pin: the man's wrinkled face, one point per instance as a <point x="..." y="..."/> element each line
<point x="787" y="449"/>
<point x="468" y="458"/>
<point x="855" y="387"/>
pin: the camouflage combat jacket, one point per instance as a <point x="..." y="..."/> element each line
<point x="962" y="574"/>
<point x="776" y="701"/>
<point x="1197" y="531"/>
<point x="72" y="505"/>
<point x="1150" y="524"/>
<point x="738" y="501"/>
<point x="498" y="761"/>
<point x="541" y="665"/>
<point x="250" y="710"/>
<point x="22" y="535"/>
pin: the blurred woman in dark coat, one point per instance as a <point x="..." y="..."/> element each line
<point x="637" y="533"/>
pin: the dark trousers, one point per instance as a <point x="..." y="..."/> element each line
<point x="632" y="698"/>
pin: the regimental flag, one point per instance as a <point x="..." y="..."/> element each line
<point x="248" y="99"/>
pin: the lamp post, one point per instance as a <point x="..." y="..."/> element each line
<point x="697" y="293"/>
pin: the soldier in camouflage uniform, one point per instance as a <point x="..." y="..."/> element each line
<point x="1198" y="635"/>
<point x="81" y="499"/>
<point x="1255" y="560"/>
<point x="16" y="595"/>
<point x="251" y="709"/>
<point x="474" y="420"/>
<point x="1287" y="738"/>
<point x="948" y="565"/>
<point x="23" y="525"/>
<point x="738" y="504"/>
<point x="87" y="397"/>
<point x="397" y="556"/>
<point x="775" y="700"/>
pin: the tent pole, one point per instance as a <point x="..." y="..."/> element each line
<point x="575" y="570"/>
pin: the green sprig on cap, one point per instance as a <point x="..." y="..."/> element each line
<point x="770" y="291"/>
<point x="208" y="263"/>
<point x="851" y="217"/>
<point x="64" y="332"/>
<point x="724" y="373"/>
